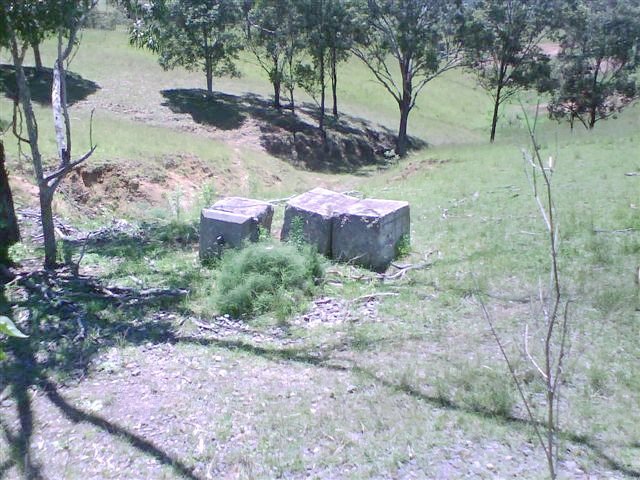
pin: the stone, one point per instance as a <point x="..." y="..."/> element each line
<point x="232" y="221"/>
<point x="316" y="209"/>
<point x="369" y="231"/>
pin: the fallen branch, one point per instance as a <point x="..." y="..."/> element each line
<point x="622" y="230"/>
<point x="206" y="326"/>
<point x="403" y="271"/>
<point x="372" y="296"/>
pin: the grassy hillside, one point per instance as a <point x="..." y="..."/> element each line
<point x="407" y="384"/>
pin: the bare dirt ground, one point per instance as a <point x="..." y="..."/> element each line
<point x="171" y="396"/>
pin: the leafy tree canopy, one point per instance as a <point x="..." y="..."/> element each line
<point x="598" y="60"/>
<point x="195" y="34"/>
<point x="502" y="46"/>
<point x="421" y="37"/>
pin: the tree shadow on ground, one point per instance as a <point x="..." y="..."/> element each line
<point x="350" y="144"/>
<point x="40" y="82"/>
<point x="66" y="333"/>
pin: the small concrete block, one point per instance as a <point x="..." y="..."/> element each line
<point x="368" y="232"/>
<point x="261" y="211"/>
<point x="316" y="208"/>
<point x="230" y="222"/>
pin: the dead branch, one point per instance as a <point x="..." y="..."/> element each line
<point x="622" y="230"/>
<point x="403" y="271"/>
<point x="372" y="296"/>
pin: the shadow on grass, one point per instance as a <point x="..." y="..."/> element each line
<point x="40" y="82"/>
<point x="303" y="356"/>
<point x="67" y="323"/>
<point x="76" y="415"/>
<point x="140" y="246"/>
<point x="350" y="144"/>
<point x="64" y="335"/>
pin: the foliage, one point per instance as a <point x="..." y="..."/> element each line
<point x="403" y="248"/>
<point x="7" y="327"/>
<point x="599" y="56"/>
<point x="267" y="277"/>
<point x="502" y="47"/>
<point x="296" y="232"/>
<point x="194" y="34"/>
<point x="421" y="36"/>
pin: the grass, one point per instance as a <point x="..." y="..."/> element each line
<point x="419" y="389"/>
<point x="267" y="278"/>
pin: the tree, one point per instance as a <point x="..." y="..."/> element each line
<point x="273" y="33"/>
<point x="598" y="59"/>
<point x="9" y="233"/>
<point x="502" y="46"/>
<point x="420" y="36"/>
<point x="313" y="78"/>
<point x="24" y="21"/>
<point x="340" y="35"/>
<point x="194" y="34"/>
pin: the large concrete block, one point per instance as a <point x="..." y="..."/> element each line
<point x="368" y="232"/>
<point x="230" y="222"/>
<point x="316" y="209"/>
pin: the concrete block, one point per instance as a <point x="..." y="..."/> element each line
<point x="368" y="232"/>
<point x="316" y="209"/>
<point x="230" y="222"/>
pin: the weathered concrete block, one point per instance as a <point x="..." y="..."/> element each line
<point x="261" y="211"/>
<point x="316" y="209"/>
<point x="368" y="232"/>
<point x="230" y="222"/>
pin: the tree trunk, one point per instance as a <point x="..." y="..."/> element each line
<point x="322" y="95"/>
<point x="402" y="142"/>
<point x="48" y="227"/>
<point x="496" y="111"/>
<point x="276" y="80"/>
<point x="405" y="105"/>
<point x="334" y="80"/>
<point x="9" y="232"/>
<point x="208" y="70"/>
<point x="46" y="194"/>
<point x="592" y="117"/>
<point x="292" y="100"/>
<point x="209" y="79"/>
<point x="290" y="83"/>
<point x="276" y="94"/>
<point x="36" y="55"/>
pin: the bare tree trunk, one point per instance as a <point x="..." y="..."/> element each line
<point x="9" y="232"/>
<point x="277" y="83"/>
<point x="36" y="55"/>
<point x="402" y="142"/>
<point x="334" y="79"/>
<point x="209" y="73"/>
<point x="47" y="183"/>
<point x="592" y="117"/>
<point x="24" y="96"/>
<point x="496" y="111"/>
<point x="291" y="83"/>
<point x="322" y="95"/>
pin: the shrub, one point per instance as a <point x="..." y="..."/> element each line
<point x="267" y="277"/>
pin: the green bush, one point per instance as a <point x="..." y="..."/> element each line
<point x="267" y="277"/>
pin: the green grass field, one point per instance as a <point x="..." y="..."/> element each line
<point x="409" y="385"/>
